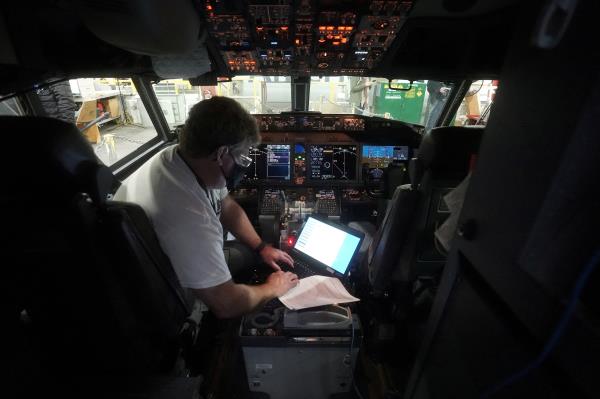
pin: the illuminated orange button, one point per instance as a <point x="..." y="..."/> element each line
<point x="330" y="28"/>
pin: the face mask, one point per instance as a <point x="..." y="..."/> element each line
<point x="240" y="164"/>
<point x="234" y="178"/>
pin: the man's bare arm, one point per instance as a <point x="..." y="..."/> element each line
<point x="229" y="300"/>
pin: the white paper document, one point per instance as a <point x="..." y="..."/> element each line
<point x="316" y="291"/>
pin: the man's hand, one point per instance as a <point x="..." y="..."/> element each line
<point x="272" y="255"/>
<point x="281" y="282"/>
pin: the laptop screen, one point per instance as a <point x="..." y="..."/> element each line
<point x="327" y="244"/>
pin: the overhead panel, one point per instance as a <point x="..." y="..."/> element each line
<point x="304" y="37"/>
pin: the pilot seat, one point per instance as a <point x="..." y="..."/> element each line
<point x="402" y="263"/>
<point x="94" y="307"/>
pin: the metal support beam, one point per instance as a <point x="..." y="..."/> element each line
<point x="144" y="89"/>
<point x="300" y="93"/>
<point x="456" y="96"/>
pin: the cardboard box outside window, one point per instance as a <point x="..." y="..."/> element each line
<point x="473" y="105"/>
<point x="113" y="107"/>
<point x="92" y="134"/>
<point x="87" y="113"/>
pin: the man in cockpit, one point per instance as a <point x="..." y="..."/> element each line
<point x="184" y="191"/>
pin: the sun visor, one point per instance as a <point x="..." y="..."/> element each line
<point x="184" y="66"/>
<point x="150" y="27"/>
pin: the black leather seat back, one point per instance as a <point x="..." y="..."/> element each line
<point x="404" y="246"/>
<point x="390" y="238"/>
<point x="445" y="157"/>
<point x="89" y="286"/>
<point x="447" y="153"/>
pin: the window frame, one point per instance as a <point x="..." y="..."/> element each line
<point x="165" y="136"/>
<point x="455" y="98"/>
<point x="21" y="100"/>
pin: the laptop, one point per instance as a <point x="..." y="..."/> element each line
<point x="325" y="248"/>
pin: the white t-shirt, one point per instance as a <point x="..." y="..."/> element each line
<point x="185" y="221"/>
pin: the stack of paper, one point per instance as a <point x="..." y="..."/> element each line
<point x="316" y="291"/>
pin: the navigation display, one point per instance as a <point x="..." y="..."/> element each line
<point x="333" y="162"/>
<point x="269" y="161"/>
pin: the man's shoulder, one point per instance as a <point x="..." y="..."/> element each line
<point x="167" y="154"/>
<point x="161" y="173"/>
<point x="165" y="159"/>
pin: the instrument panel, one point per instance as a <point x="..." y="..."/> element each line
<point x="325" y="150"/>
<point x="303" y="37"/>
<point x="291" y="122"/>
<point x="333" y="166"/>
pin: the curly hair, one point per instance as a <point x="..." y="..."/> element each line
<point x="216" y="122"/>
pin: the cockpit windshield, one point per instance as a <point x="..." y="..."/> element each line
<point x="257" y="94"/>
<point x="419" y="102"/>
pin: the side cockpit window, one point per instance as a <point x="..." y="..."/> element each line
<point x="476" y="106"/>
<point x="11" y="107"/>
<point x="111" y="114"/>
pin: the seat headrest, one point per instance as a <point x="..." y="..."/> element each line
<point x="55" y="160"/>
<point x="449" y="150"/>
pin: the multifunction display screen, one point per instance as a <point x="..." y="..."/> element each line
<point x="269" y="161"/>
<point x="333" y="162"/>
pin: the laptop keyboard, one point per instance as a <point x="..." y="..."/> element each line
<point x="302" y="270"/>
